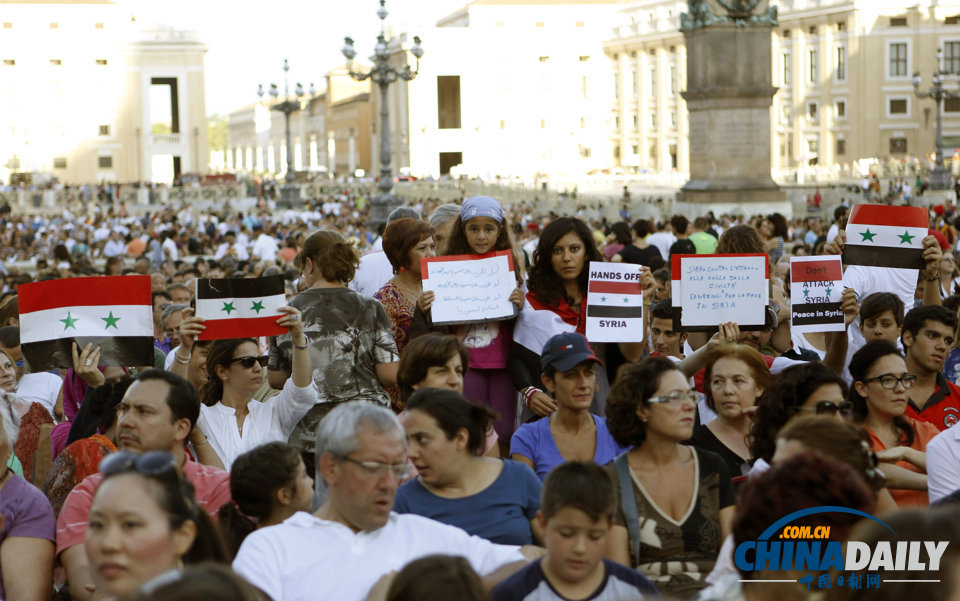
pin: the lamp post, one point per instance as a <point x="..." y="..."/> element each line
<point x="290" y="192"/>
<point x="939" y="178"/>
<point x="383" y="75"/>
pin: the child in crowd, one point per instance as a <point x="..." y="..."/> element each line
<point x="576" y="512"/>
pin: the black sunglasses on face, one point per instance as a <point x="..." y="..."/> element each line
<point x="247" y="361"/>
<point x="830" y="408"/>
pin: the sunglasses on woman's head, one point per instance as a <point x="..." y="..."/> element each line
<point x="151" y="463"/>
<point x="247" y="361"/>
<point x="830" y="408"/>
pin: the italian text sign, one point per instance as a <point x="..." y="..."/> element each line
<point x="816" y="288"/>
<point x="614" y="303"/>
<point x="715" y="289"/>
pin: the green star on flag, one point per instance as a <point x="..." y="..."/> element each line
<point x="906" y="238"/>
<point x="111" y="321"/>
<point x="806" y="292"/>
<point x="828" y="291"/>
<point x="867" y="235"/>
<point x="257" y="306"/>
<point x="228" y="307"/>
<point x="626" y="300"/>
<point x="69" y="321"/>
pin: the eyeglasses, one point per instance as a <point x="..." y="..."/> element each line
<point x="889" y="381"/>
<point x="830" y="408"/>
<point x="377" y="470"/>
<point x="152" y="464"/>
<point x="247" y="361"/>
<point x="676" y="397"/>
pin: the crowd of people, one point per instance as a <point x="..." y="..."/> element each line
<point x="370" y="453"/>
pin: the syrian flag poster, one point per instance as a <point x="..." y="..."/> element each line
<point x="241" y="307"/>
<point x="816" y="288"/>
<point x="114" y="313"/>
<point x="614" y="303"/>
<point x="883" y="236"/>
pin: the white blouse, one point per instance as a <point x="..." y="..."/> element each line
<point x="270" y="421"/>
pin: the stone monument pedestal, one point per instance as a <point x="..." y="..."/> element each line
<point x="729" y="94"/>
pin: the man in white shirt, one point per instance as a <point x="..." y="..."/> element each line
<point x="115" y="246"/>
<point x="265" y="247"/>
<point x="354" y="539"/>
<point x="231" y="248"/>
<point x="943" y="464"/>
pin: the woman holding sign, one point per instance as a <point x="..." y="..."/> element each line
<point x="481" y="230"/>
<point x="556" y="303"/>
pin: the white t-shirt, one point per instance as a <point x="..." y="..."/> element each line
<point x="265" y="247"/>
<point x="42" y="387"/>
<point x="375" y="271"/>
<point x="270" y="421"/>
<point x="943" y="464"/>
<point x="306" y="558"/>
<point x="663" y="241"/>
<point x="171" y="246"/>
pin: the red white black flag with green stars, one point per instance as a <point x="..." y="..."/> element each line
<point x="114" y="312"/>
<point x="240" y="308"/>
<point x="882" y="236"/>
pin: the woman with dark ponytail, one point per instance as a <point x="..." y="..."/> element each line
<point x="496" y="499"/>
<point x="880" y="394"/>
<point x="235" y="370"/>
<point x="350" y="343"/>
<point x="267" y="485"/>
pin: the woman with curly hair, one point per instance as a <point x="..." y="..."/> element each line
<point x="805" y="388"/>
<point x="675" y="502"/>
<point x="556" y="304"/>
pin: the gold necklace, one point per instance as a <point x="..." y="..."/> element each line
<point x="411" y="293"/>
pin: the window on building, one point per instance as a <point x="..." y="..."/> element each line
<point x="653" y="153"/>
<point x="7" y="25"/>
<point x="813" y="151"/>
<point x="544" y="59"/>
<point x="785" y="112"/>
<point x="56" y="62"/>
<point x="104" y="130"/>
<point x="584" y="58"/>
<point x="813" y="110"/>
<point x="102" y="62"/>
<point x="54" y="26"/>
<point x="9" y="62"/>
<point x="503" y="124"/>
<point x="653" y="119"/>
<point x="951" y="105"/>
<point x="98" y="25"/>
<point x="60" y="162"/>
<point x="539" y="23"/>
<point x="585" y="152"/>
<point x="583" y="122"/>
<point x="105" y="162"/>
<point x="635" y="149"/>
<point x="448" y="101"/>
<point x="616" y="87"/>
<point x="616" y="152"/>
<point x="812" y="66"/>
<point x="673" y="119"/>
<point x="954" y="20"/>
<point x="653" y="82"/>
<point x="951" y="57"/>
<point x="616" y="122"/>
<point x="673" y="80"/>
<point x="636" y="122"/>
<point x="785" y="33"/>
<point x="812" y="30"/>
<point x="579" y="24"/>
<point x="840" y="63"/>
<point x="840" y="107"/>
<point x="785" y="62"/>
<point x="898" y="145"/>
<point x="898" y="59"/>
<point x="841" y="147"/>
<point x="898" y="21"/>
<point x="841" y="25"/>
<point x="898" y="106"/>
<point x="634" y="84"/>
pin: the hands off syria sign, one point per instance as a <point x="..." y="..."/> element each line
<point x="816" y="288"/>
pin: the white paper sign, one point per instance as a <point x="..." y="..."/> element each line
<point x="721" y="288"/>
<point x="816" y="292"/>
<point x="614" y="303"/>
<point x="468" y="289"/>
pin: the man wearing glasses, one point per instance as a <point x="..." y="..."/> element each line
<point x="355" y="538"/>
<point x="928" y="335"/>
<point x="158" y="413"/>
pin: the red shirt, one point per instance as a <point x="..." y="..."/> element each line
<point x="942" y="409"/>
<point x="211" y="487"/>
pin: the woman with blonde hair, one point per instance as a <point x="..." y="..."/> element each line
<point x="351" y="345"/>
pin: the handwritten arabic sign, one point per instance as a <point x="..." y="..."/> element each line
<point x="470" y="288"/>
<point x="714" y="289"/>
<point x="614" y="303"/>
<point x="816" y="288"/>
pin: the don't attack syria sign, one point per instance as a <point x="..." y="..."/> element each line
<point x="784" y="547"/>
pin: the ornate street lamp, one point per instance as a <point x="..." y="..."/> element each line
<point x="939" y="178"/>
<point x="290" y="193"/>
<point x="383" y="75"/>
